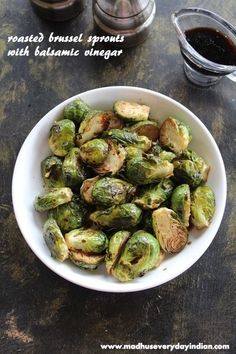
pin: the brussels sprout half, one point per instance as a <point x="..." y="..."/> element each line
<point x="92" y="126"/>
<point x="152" y="196"/>
<point x="110" y="191"/>
<point x="114" y="160"/>
<point x="170" y="232"/>
<point x="140" y="254"/>
<point x="94" y="151"/>
<point x="62" y="137"/>
<point x="190" y="169"/>
<point x="73" y="171"/>
<point x="52" y="199"/>
<point x="69" y="216"/>
<point x="76" y="110"/>
<point x="146" y="128"/>
<point x="86" y="189"/>
<point x="202" y="206"/>
<point x="55" y="240"/>
<point x="51" y="170"/>
<point x="86" y="247"/>
<point x="146" y="170"/>
<point x="174" y="135"/>
<point x="180" y="203"/>
<point x="125" y="137"/>
<point x="116" y="245"/>
<point x="131" y="111"/>
<point x="124" y="216"/>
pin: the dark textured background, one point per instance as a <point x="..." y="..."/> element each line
<point x="42" y="313"/>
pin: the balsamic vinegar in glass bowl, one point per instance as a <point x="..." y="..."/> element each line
<point x="212" y="45"/>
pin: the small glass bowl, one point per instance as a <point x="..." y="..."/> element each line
<point x="198" y="69"/>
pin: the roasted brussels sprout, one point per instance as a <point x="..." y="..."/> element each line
<point x="77" y="110"/>
<point x="73" y="170"/>
<point x="133" y="151"/>
<point x="53" y="198"/>
<point x="131" y="111"/>
<point x="116" y="245"/>
<point x="86" y="247"/>
<point x="114" y="160"/>
<point x="92" y="126"/>
<point x="141" y="254"/>
<point x="62" y="137"/>
<point x="190" y="169"/>
<point x="94" y="151"/>
<point x="147" y="128"/>
<point x="126" y="138"/>
<point x="146" y="170"/>
<point x="51" y="170"/>
<point x="167" y="155"/>
<point x="69" y="216"/>
<point x="86" y="189"/>
<point x="115" y="122"/>
<point x="55" y="240"/>
<point x="180" y="203"/>
<point x="170" y="232"/>
<point x="202" y="206"/>
<point x="121" y="216"/>
<point x="110" y="191"/>
<point x="151" y="197"/>
<point x="174" y="135"/>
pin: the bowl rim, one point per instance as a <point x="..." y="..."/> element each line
<point x="134" y="286"/>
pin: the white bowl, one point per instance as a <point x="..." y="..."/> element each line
<point x="27" y="184"/>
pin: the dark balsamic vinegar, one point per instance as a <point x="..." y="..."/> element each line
<point x="212" y="45"/>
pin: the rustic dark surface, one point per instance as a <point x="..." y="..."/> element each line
<point x="39" y="311"/>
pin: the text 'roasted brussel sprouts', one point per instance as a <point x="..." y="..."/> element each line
<point x="121" y="190"/>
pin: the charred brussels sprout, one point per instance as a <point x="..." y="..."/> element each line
<point x="147" y="128"/>
<point x="170" y="232"/>
<point x="141" y="254"/>
<point x="146" y="170"/>
<point x="180" y="203"/>
<point x="86" y="189"/>
<point x="191" y="169"/>
<point x="174" y="135"/>
<point x="152" y="196"/>
<point x="114" y="160"/>
<point x="73" y="171"/>
<point x="55" y="240"/>
<point x="77" y="110"/>
<point x="94" y="152"/>
<point x="116" y="245"/>
<point x="92" y="126"/>
<point x="86" y="247"/>
<point x="69" y="216"/>
<point x="115" y="122"/>
<point x="51" y="170"/>
<point x="110" y="191"/>
<point x="52" y="199"/>
<point x="202" y="206"/>
<point x="131" y="111"/>
<point x="127" y="138"/>
<point x="120" y="216"/>
<point x="62" y="137"/>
